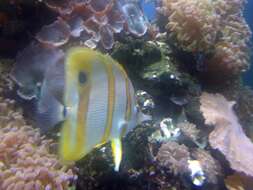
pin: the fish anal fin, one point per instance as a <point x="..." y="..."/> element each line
<point x="117" y="152"/>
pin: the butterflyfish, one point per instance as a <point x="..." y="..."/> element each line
<point x="95" y="100"/>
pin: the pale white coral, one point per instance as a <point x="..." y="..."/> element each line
<point x="228" y="136"/>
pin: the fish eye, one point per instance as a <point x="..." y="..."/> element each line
<point x="82" y="78"/>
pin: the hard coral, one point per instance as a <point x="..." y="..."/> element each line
<point x="228" y="136"/>
<point x="91" y="22"/>
<point x="25" y="159"/>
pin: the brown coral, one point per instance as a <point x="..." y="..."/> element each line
<point x="189" y="130"/>
<point x="238" y="182"/>
<point x="211" y="27"/>
<point x="25" y="159"/>
<point x="193" y="23"/>
<point x="231" y="50"/>
<point x="228" y="136"/>
<point x="174" y="156"/>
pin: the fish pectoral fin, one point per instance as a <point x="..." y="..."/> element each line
<point x="117" y="152"/>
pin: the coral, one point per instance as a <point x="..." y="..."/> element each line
<point x="228" y="136"/>
<point x="238" y="182"/>
<point x="90" y="22"/>
<point x="215" y="28"/>
<point x="174" y="156"/>
<point x="25" y="158"/>
<point x="211" y="167"/>
<point x="193" y="23"/>
<point x="244" y="109"/>
<point x="31" y="66"/>
<point x="189" y="130"/>
<point x="231" y="50"/>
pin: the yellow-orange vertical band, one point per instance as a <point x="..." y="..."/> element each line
<point x="81" y="136"/>
<point x="111" y="101"/>
<point x="129" y="101"/>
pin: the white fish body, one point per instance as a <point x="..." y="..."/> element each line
<point x="99" y="101"/>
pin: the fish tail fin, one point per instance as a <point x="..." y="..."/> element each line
<point x="117" y="152"/>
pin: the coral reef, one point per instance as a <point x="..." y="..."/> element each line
<point x="217" y="29"/>
<point x="228" y="136"/>
<point x="91" y="22"/>
<point x="194" y="24"/>
<point x="189" y="130"/>
<point x="25" y="156"/>
<point x="174" y="156"/>
<point x="170" y="64"/>
<point x="211" y="167"/>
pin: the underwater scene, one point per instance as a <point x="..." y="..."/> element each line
<point x="126" y="95"/>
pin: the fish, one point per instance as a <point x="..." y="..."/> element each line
<point x="93" y="97"/>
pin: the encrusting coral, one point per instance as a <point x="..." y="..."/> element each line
<point x="228" y="136"/>
<point x="25" y="158"/>
<point x="214" y="28"/>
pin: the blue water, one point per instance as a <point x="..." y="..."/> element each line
<point x="149" y="9"/>
<point x="248" y="77"/>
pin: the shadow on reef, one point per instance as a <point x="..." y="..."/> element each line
<point x="19" y="22"/>
<point x="152" y="67"/>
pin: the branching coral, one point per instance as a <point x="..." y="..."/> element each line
<point x="228" y="136"/>
<point x="25" y="159"/>
<point x="91" y="22"/>
<point x="212" y="27"/>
